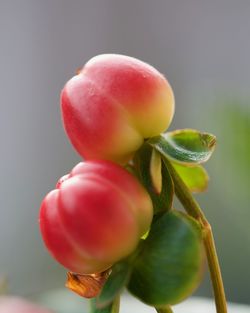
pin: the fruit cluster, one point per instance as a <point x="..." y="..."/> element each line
<point x="98" y="213"/>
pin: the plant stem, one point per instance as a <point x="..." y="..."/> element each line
<point x="192" y="207"/>
<point x="165" y="310"/>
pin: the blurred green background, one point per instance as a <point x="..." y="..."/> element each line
<point x="202" y="47"/>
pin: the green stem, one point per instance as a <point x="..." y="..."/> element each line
<point x="3" y="286"/>
<point x="192" y="207"/>
<point x="165" y="310"/>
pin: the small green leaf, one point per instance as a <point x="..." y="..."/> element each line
<point x="111" y="308"/>
<point x="114" y="285"/>
<point x="142" y="162"/>
<point x="186" y="146"/>
<point x="168" y="268"/>
<point x="196" y="178"/>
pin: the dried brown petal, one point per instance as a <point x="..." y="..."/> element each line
<point x="87" y="286"/>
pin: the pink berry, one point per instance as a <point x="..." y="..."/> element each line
<point x="113" y="104"/>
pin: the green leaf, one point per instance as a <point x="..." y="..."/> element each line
<point x="186" y="146"/>
<point x="168" y="268"/>
<point x="111" y="308"/>
<point x="196" y="178"/>
<point x="142" y="161"/>
<point x="114" y="285"/>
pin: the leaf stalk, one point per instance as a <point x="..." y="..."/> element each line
<point x="165" y="310"/>
<point x="193" y="209"/>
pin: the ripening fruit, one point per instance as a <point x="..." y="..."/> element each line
<point x="113" y="104"/>
<point x="19" y="305"/>
<point x="95" y="216"/>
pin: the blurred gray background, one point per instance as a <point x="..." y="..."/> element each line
<point x="203" y="48"/>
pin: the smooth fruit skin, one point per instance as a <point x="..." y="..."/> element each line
<point x="95" y="216"/>
<point x="113" y="104"/>
<point x="19" y="305"/>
